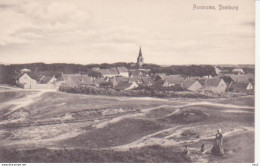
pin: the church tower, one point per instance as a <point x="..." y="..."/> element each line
<point x="140" y="59"/>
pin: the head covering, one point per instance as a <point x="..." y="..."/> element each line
<point x="219" y="130"/>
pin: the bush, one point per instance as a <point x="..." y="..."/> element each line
<point x="138" y="92"/>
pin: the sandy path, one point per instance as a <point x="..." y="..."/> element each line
<point x="217" y="105"/>
<point x="237" y="111"/>
<point x="25" y="101"/>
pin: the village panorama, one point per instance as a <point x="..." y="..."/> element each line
<point x="126" y="112"/>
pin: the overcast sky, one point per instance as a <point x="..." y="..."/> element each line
<point x="98" y="31"/>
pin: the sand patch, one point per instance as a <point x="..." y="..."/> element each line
<point x="237" y="111"/>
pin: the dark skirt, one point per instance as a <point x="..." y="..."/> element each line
<point x="217" y="148"/>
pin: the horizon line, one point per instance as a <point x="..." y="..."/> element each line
<point x="2" y="63"/>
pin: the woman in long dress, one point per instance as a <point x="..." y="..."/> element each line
<point x="218" y="144"/>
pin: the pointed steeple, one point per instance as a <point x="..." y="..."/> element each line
<point x="140" y="59"/>
<point x="140" y="52"/>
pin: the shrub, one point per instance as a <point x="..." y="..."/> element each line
<point x="138" y="92"/>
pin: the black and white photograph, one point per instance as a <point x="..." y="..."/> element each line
<point x="127" y="81"/>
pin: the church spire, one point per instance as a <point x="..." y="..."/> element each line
<point x="140" y="52"/>
<point x="140" y="59"/>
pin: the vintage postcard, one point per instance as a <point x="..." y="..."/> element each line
<point x="127" y="81"/>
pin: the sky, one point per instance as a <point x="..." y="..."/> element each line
<point x="109" y="31"/>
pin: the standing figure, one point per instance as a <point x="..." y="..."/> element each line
<point x="218" y="144"/>
<point x="202" y="149"/>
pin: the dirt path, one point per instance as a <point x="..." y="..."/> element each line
<point x="217" y="105"/>
<point x="25" y="101"/>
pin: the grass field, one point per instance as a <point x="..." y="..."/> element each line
<point x="49" y="126"/>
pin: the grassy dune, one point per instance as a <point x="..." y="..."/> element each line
<point x="123" y="132"/>
<point x="147" y="154"/>
<point x="130" y="129"/>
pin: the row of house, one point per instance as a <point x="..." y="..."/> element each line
<point x="216" y="85"/>
<point x="121" y="78"/>
<point x="121" y="71"/>
<point x="193" y="83"/>
<point x="116" y="82"/>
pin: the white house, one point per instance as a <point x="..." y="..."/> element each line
<point x="173" y="80"/>
<point x="191" y="85"/>
<point x="25" y="81"/>
<point x="123" y="71"/>
<point x="109" y="72"/>
<point x="238" y="71"/>
<point x="215" y="85"/>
